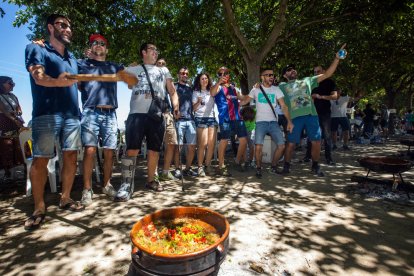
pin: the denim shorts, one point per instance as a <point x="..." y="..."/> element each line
<point x="186" y="129"/>
<point x="96" y="124"/>
<point x="271" y="128"/>
<point x="308" y="122"/>
<point x="233" y="127"/>
<point x="48" y="129"/>
<point x="205" y="122"/>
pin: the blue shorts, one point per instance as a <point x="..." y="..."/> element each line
<point x="48" y="129"/>
<point x="97" y="123"/>
<point x="342" y="121"/>
<point x="205" y="122"/>
<point x="308" y="122"/>
<point x="186" y="129"/>
<point x="269" y="127"/>
<point x="233" y="127"/>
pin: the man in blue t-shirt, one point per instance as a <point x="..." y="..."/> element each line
<point x="99" y="121"/>
<point x="185" y="125"/>
<point x="298" y="97"/>
<point x="55" y="114"/>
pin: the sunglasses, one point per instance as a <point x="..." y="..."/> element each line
<point x="11" y="83"/>
<point x="98" y="42"/>
<point x="290" y="69"/>
<point x="154" y="49"/>
<point x="62" y="25"/>
<point x="161" y="63"/>
<point x="268" y="75"/>
<point x="184" y="73"/>
<point x="223" y="74"/>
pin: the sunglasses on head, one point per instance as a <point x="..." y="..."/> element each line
<point x="223" y="74"/>
<point x="98" y="42"/>
<point x="62" y="25"/>
<point x="268" y="75"/>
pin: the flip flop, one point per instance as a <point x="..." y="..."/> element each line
<point x="30" y="224"/>
<point x="74" y="206"/>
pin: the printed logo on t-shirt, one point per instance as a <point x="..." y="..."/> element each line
<point x="262" y="99"/>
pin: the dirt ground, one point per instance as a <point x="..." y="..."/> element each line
<point x="293" y="225"/>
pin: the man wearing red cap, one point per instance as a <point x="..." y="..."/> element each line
<point x="99" y="121"/>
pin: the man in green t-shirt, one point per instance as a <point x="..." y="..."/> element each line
<point x="302" y="111"/>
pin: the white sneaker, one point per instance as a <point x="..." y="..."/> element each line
<point x="109" y="190"/>
<point x="86" y="197"/>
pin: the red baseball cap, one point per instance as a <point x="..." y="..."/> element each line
<point x="94" y="37"/>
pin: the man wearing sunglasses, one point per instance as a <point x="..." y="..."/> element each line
<point x="230" y="122"/>
<point x="140" y="124"/>
<point x="99" y="120"/>
<point x="55" y="115"/>
<point x="303" y="112"/>
<point x="266" y="97"/>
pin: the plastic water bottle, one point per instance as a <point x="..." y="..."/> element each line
<point x="342" y="53"/>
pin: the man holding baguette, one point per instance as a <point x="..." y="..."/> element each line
<point x="99" y="120"/>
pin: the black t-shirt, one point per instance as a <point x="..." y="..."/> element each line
<point x="185" y="97"/>
<point x="325" y="88"/>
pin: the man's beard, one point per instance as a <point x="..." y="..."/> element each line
<point x="59" y="37"/>
<point x="99" y="54"/>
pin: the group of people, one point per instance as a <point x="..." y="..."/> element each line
<point x="189" y="117"/>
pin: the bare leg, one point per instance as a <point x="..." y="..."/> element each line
<point x="346" y="137"/>
<point x="259" y="152"/>
<point x="169" y="154"/>
<point x="108" y="164"/>
<point x="190" y="156"/>
<point x="211" y="144"/>
<point x="221" y="151"/>
<point x="316" y="150"/>
<point x="289" y="152"/>
<point x="202" y="145"/>
<point x="242" y="149"/>
<point x="88" y="160"/>
<point x="153" y="157"/>
<point x="335" y="137"/>
<point x="279" y="151"/>
<point x="68" y="173"/>
<point x="38" y="177"/>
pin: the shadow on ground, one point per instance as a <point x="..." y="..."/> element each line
<point x="297" y="224"/>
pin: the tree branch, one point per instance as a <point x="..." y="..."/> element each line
<point x="313" y="22"/>
<point x="238" y="36"/>
<point x="280" y="24"/>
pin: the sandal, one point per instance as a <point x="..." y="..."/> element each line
<point x="74" y="206"/>
<point x="154" y="185"/>
<point x="34" y="222"/>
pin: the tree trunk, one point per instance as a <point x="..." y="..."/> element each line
<point x="253" y="72"/>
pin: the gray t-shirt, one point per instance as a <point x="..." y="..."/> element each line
<point x="141" y="93"/>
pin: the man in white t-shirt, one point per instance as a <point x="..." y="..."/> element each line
<point x="139" y="124"/>
<point x="339" y="118"/>
<point x="266" y="118"/>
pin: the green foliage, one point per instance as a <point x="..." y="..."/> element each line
<point x="196" y="33"/>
